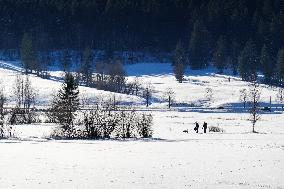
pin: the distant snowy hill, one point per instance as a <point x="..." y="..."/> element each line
<point x="190" y="93"/>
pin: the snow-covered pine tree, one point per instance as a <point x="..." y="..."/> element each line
<point x="179" y="61"/>
<point x="66" y="103"/>
<point x="145" y="126"/>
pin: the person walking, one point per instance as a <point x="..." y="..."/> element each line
<point x="196" y="127"/>
<point x="204" y="127"/>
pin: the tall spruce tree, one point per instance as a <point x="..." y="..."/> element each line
<point x="66" y="60"/>
<point x="86" y="66"/>
<point x="280" y="67"/>
<point x="28" y="54"/>
<point x="266" y="64"/>
<point x="220" y="55"/>
<point x="234" y="54"/>
<point x="179" y="62"/>
<point x="248" y="61"/>
<point x="199" y="48"/>
<point x="66" y="103"/>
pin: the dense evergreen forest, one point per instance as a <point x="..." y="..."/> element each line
<point x="245" y="35"/>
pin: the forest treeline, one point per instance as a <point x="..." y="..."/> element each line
<point x="138" y="24"/>
<point x="216" y="31"/>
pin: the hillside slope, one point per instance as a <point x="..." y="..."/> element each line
<point x="191" y="93"/>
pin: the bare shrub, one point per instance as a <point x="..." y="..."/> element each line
<point x="216" y="129"/>
<point x="25" y="96"/>
<point x="59" y="133"/>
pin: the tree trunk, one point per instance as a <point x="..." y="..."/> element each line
<point x="147" y="100"/>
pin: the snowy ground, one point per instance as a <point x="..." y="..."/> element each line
<point x="235" y="158"/>
<point x="173" y="159"/>
<point x="45" y="89"/>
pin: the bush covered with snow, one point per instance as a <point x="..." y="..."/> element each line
<point x="145" y="126"/>
<point x="216" y="129"/>
<point x="100" y="124"/>
<point x="22" y="116"/>
<point x="5" y="130"/>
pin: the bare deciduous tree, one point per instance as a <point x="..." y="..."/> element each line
<point x="29" y="95"/>
<point x="117" y="76"/>
<point x="243" y="96"/>
<point x="18" y="90"/>
<point x="280" y="97"/>
<point x="169" y="95"/>
<point x="111" y="76"/>
<point x="148" y="91"/>
<point x="137" y="85"/>
<point x="25" y="96"/>
<point x="101" y="70"/>
<point x="254" y="97"/>
<point x="134" y="86"/>
<point x="112" y="102"/>
<point x="2" y="101"/>
<point x="208" y="94"/>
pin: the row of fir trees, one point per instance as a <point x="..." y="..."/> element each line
<point x="246" y="36"/>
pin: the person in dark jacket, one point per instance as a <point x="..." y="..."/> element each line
<point x="196" y="127"/>
<point x="204" y="127"/>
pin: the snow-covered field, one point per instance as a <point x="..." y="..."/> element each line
<point x="172" y="159"/>
<point x="235" y="158"/>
